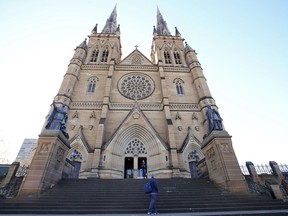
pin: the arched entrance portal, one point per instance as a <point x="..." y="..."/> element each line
<point x="135" y="142"/>
<point x="135" y="164"/>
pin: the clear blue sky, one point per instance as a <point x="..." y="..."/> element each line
<point x="241" y="44"/>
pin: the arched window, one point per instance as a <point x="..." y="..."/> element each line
<point x="105" y="54"/>
<point x="94" y="55"/>
<point x="177" y="57"/>
<point x="92" y="84"/>
<point x="179" y="86"/>
<point x="167" y="57"/>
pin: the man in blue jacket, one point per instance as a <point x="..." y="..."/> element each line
<point x="153" y="196"/>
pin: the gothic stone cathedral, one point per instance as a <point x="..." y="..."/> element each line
<point x="123" y="113"/>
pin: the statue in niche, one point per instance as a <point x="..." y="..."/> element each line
<point x="214" y="119"/>
<point x="58" y="119"/>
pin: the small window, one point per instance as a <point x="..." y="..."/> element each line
<point x="94" y="55"/>
<point x="105" y="54"/>
<point x="177" y="57"/>
<point x="179" y="86"/>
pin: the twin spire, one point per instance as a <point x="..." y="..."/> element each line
<point x="112" y="28"/>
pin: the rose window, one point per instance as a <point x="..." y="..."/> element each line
<point x="136" y="86"/>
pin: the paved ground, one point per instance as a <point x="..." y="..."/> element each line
<point x="267" y="212"/>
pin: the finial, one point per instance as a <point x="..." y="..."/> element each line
<point x="177" y="33"/>
<point x="94" y="30"/>
<point x="136" y="46"/>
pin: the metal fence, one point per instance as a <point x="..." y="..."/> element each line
<point x="22" y="171"/>
<point x="264" y="169"/>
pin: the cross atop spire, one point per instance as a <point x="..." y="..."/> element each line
<point x="162" y="28"/>
<point x="111" y="23"/>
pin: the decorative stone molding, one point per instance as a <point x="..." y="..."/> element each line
<point x="80" y="105"/>
<point x="86" y="105"/>
<point x="186" y="107"/>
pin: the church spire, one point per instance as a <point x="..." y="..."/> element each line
<point x="111" y="23"/>
<point x="162" y="28"/>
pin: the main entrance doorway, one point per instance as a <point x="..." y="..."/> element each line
<point x="128" y="168"/>
<point x="137" y="165"/>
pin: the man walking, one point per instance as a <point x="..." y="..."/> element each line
<point x="153" y="196"/>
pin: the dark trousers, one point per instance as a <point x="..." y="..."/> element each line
<point x="153" y="198"/>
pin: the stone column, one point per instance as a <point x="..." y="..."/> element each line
<point x="223" y="167"/>
<point x="279" y="176"/>
<point x="252" y="171"/>
<point x="47" y="164"/>
<point x="135" y="165"/>
<point x="276" y="171"/>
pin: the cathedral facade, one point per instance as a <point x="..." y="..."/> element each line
<point x="132" y="117"/>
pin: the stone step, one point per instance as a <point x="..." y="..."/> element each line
<point x="98" y="196"/>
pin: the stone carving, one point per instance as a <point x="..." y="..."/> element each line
<point x="44" y="148"/>
<point x="178" y="116"/>
<point x="225" y="147"/>
<point x="210" y="152"/>
<point x="93" y="115"/>
<point x="194" y="116"/>
<point x="75" y="115"/>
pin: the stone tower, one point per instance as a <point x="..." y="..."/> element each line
<point x="123" y="113"/>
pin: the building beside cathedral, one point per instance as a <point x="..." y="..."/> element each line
<point x="26" y="151"/>
<point x="135" y="110"/>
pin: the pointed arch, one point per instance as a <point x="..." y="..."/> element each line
<point x="140" y="133"/>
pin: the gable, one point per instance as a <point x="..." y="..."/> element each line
<point x="136" y="58"/>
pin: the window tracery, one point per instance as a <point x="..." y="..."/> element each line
<point x="105" y="54"/>
<point x="179" y="86"/>
<point x="136" y="86"/>
<point x="167" y="57"/>
<point x="177" y="57"/>
<point x="135" y="146"/>
<point x="92" y="84"/>
<point x="94" y="55"/>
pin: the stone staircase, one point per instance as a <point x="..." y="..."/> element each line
<point x="111" y="196"/>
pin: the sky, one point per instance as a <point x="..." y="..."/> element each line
<point x="242" y="46"/>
